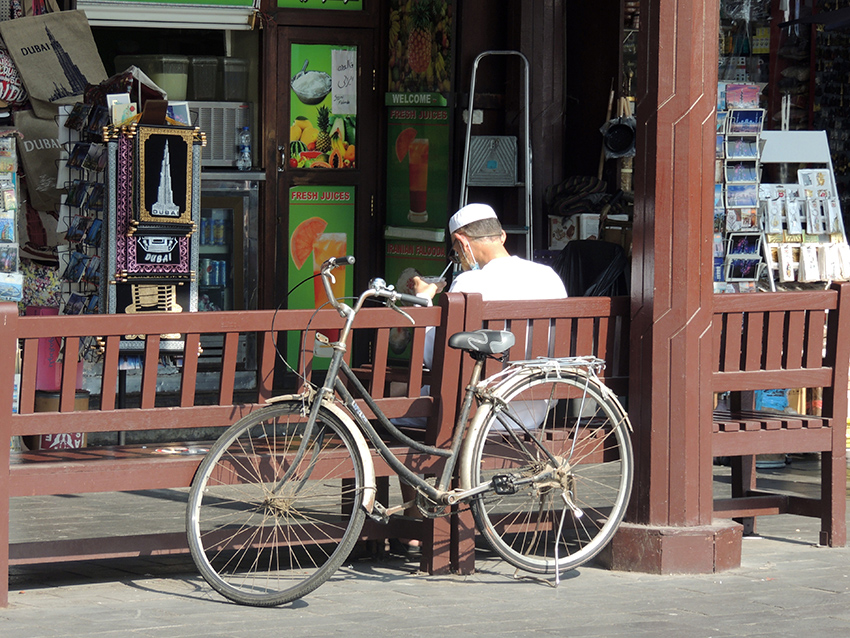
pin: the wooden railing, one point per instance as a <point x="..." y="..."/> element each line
<point x="137" y="467"/>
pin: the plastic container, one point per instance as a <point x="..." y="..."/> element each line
<point x="233" y="79"/>
<point x="243" y="161"/>
<point x="168" y="72"/>
<point x="203" y="77"/>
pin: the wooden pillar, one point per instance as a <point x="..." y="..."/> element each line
<point x="670" y="527"/>
<point x="8" y="352"/>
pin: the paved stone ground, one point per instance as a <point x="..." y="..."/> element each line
<point x="786" y="586"/>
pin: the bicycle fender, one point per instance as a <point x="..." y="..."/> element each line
<point x="370" y="488"/>
<point x="465" y="468"/>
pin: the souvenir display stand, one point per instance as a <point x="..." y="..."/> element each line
<point x="803" y="240"/>
<point x="153" y="211"/>
<point x="777" y="216"/>
<point x="81" y="172"/>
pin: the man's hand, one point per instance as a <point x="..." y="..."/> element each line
<point x="424" y="289"/>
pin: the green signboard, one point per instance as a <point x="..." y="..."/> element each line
<point x="321" y="225"/>
<point x="339" y="5"/>
<point x="417" y="161"/>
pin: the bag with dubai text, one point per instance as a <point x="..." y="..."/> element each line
<point x="56" y="56"/>
<point x="39" y="150"/>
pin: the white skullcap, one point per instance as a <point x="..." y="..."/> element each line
<point x="470" y="213"/>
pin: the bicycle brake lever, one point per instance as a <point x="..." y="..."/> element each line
<point x="399" y="310"/>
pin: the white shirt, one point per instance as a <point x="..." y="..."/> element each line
<point x="505" y="279"/>
<point x="502" y="279"/>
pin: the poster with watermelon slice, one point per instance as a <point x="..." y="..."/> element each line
<point x="417" y="160"/>
<point x="321" y="225"/>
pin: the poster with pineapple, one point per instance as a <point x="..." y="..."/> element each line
<point x="323" y="106"/>
<point x="420" y="46"/>
<point x="321" y="225"/>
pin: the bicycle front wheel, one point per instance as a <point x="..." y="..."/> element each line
<point x="264" y="529"/>
<point x="582" y="479"/>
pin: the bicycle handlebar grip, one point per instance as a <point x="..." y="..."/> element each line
<point x="347" y="260"/>
<point x="412" y="299"/>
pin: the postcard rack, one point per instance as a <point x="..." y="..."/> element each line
<point x="777" y="217"/>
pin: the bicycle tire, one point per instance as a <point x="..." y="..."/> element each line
<point x="536" y="529"/>
<point x="261" y="542"/>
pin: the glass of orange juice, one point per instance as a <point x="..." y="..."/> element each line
<point x="329" y="245"/>
<point x="418" y="167"/>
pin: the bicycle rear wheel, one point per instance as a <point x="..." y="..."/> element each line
<point x="264" y="531"/>
<point x="569" y="513"/>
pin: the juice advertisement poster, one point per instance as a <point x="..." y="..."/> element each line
<point x="417" y="160"/>
<point x="323" y="106"/>
<point x="321" y="225"/>
<point x="405" y="259"/>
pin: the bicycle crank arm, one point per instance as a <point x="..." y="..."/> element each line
<point x="500" y="484"/>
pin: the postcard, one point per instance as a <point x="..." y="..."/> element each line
<point x="742" y="195"/>
<point x="742" y="269"/>
<point x="741" y="172"/>
<point x="745" y="121"/>
<point x="743" y="244"/>
<point x="742" y="96"/>
<point x="742" y="147"/>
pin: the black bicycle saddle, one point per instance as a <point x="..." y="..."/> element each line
<point x="484" y="341"/>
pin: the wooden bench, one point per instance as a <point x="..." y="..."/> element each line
<point x="136" y="467"/>
<point x="578" y="326"/>
<point x="783" y="340"/>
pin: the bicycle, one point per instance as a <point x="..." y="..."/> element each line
<point x="545" y="464"/>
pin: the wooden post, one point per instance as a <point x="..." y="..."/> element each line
<point x="8" y="350"/>
<point x="670" y="527"/>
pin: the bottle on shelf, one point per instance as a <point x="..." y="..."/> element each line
<point x="243" y="162"/>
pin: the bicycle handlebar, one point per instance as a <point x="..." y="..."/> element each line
<point x="377" y="287"/>
<point x="380" y="288"/>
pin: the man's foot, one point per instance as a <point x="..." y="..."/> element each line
<point x="406" y="547"/>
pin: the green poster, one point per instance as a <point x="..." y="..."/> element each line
<point x="323" y="106"/>
<point x="418" y="160"/>
<point x="406" y="258"/>
<point x="340" y="5"/>
<point x="321" y="225"/>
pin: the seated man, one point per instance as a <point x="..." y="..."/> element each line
<point x="478" y="246"/>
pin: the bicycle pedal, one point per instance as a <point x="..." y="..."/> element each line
<point x="503" y="484"/>
<point x="379" y="514"/>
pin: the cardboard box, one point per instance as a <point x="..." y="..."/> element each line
<point x="583" y="226"/>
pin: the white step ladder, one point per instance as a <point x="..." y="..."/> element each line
<point x="492" y="160"/>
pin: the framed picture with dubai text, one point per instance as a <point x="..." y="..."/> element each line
<point x="165" y="175"/>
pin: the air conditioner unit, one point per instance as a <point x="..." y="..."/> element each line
<point x="221" y="122"/>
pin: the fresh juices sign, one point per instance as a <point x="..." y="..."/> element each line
<point x="321" y="226"/>
<point x="418" y="156"/>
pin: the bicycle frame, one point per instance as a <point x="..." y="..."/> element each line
<point x="333" y="386"/>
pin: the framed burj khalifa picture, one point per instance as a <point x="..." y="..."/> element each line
<point x="165" y="174"/>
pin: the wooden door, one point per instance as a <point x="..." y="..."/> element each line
<point x="353" y="111"/>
